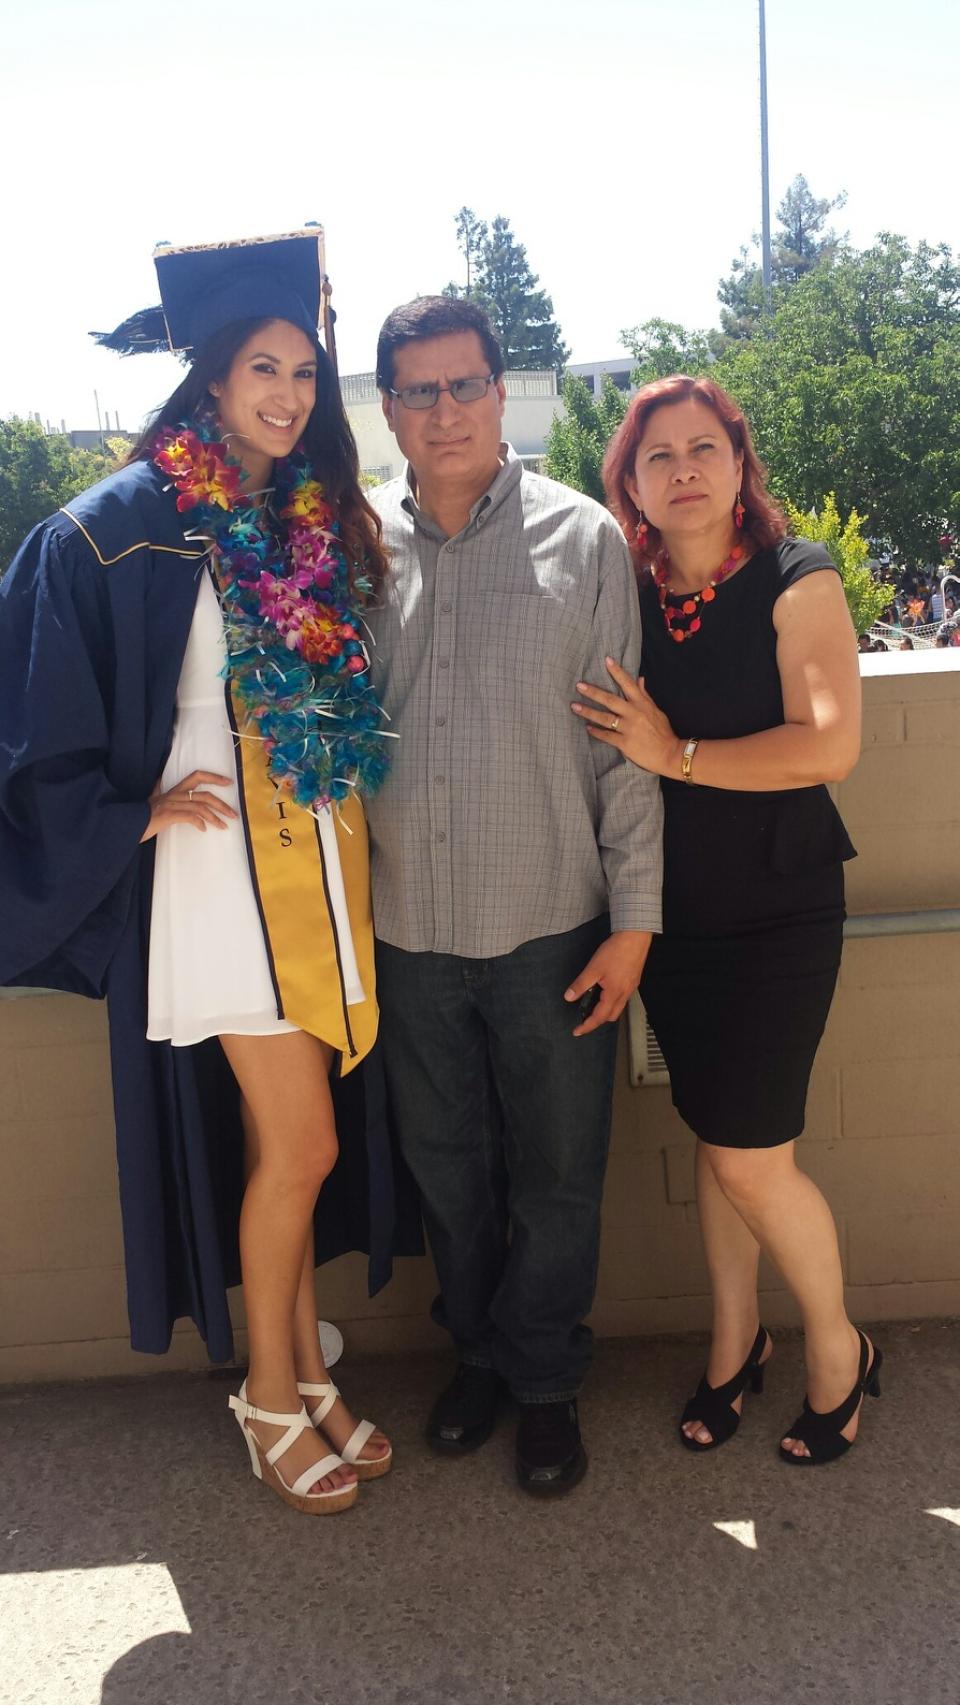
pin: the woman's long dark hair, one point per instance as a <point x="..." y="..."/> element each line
<point x="327" y="440"/>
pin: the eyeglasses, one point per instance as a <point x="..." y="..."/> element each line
<point x="426" y="396"/>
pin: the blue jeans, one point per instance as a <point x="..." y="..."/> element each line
<point x="504" y="1120"/>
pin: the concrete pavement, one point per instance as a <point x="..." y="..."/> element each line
<point x="141" y="1564"/>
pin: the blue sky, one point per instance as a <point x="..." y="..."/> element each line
<point x="621" y="137"/>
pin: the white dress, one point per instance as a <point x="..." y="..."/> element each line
<point x="209" y="972"/>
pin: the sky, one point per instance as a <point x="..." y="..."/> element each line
<point x="620" y="137"/>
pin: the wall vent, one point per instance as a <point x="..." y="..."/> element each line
<point x="647" y="1065"/>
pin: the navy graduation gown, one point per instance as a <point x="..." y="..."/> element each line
<point x="95" y="612"/>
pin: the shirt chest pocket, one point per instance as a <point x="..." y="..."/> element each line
<point x="529" y="645"/>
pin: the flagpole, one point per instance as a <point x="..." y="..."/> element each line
<point x="765" y="163"/>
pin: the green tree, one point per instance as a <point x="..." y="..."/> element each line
<point x="741" y="300"/>
<point x="38" y="474"/>
<point x="855" y="389"/>
<point x="579" y="436"/>
<point x="801" y="242"/>
<point x="522" y="315"/>
<point x="501" y="280"/>
<point x="850" y="550"/>
<point x="661" y="347"/>
<point x="471" y="236"/>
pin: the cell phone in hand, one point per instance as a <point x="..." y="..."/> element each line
<point x="587" y="1002"/>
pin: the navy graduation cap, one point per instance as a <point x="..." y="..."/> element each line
<point x="207" y="286"/>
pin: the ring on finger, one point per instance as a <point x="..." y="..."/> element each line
<point x="615" y="725"/>
<point x="189" y="792"/>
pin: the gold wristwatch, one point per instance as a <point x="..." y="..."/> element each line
<point x="686" y="761"/>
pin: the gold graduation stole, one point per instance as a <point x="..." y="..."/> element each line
<point x="288" y="869"/>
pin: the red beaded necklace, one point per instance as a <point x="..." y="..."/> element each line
<point x="673" y="615"/>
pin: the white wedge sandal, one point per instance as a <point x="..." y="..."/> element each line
<point x="364" y="1469"/>
<point x="264" y="1462"/>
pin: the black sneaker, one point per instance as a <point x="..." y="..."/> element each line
<point x="463" y="1416"/>
<point x="550" y="1454"/>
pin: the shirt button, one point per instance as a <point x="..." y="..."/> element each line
<point x="440" y="835"/>
<point x="439" y="780"/>
<point x="446" y="608"/>
<point x="444" y="662"/>
<point x="440" y="721"/>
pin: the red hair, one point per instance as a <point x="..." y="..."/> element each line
<point x="764" y="521"/>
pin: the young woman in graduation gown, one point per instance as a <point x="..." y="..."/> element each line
<point x="187" y="730"/>
<point x="749" y="704"/>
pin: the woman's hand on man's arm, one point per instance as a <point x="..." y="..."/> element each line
<point x="819" y="739"/>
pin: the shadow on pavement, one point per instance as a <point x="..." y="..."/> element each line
<point x="143" y="1565"/>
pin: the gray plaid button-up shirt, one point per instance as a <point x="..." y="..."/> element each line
<point x="502" y="820"/>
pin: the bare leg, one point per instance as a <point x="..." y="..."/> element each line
<point x="308" y="1360"/>
<point x="733" y="1255"/>
<point x="792" y="1223"/>
<point x="284" y="1081"/>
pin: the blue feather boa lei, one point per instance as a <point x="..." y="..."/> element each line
<point x="285" y="588"/>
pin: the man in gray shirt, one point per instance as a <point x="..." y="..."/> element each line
<point x="516" y="879"/>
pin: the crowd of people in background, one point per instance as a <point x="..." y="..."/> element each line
<point x="924" y="612"/>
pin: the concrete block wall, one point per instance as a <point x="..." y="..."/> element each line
<point x="902" y="802"/>
<point x="882" y="1140"/>
<point x="882" y="1137"/>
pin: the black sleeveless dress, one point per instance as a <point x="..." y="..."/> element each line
<point x="738" y="986"/>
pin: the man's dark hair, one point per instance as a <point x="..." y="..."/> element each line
<point x="433" y="316"/>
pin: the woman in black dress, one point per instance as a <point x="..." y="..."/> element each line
<point x="748" y="704"/>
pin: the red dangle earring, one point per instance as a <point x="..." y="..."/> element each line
<point x="738" y="513"/>
<point x="641" y="533"/>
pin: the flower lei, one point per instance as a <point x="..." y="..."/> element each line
<point x="296" y="661"/>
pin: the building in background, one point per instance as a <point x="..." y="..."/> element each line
<point x="97" y="440"/>
<point x="593" y="373"/>
<point x="86" y="437"/>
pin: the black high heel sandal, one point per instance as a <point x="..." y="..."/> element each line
<point x="712" y="1405"/>
<point x="823" y="1433"/>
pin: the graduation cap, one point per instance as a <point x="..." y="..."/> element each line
<point x="207" y="286"/>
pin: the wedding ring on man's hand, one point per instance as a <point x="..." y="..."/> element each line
<point x="615" y="725"/>
<point x="189" y="792"/>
